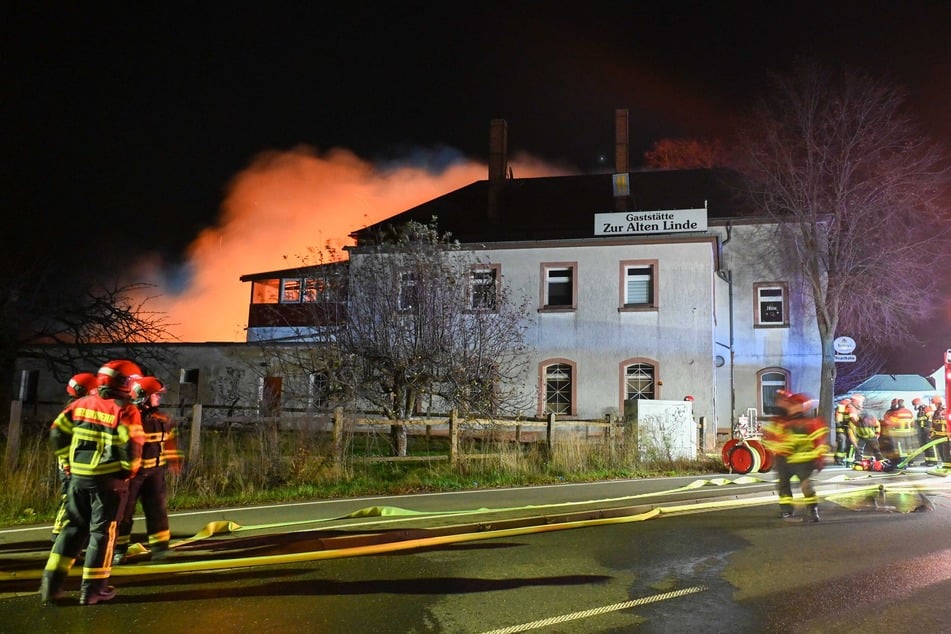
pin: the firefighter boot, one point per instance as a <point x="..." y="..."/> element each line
<point x="119" y="556"/>
<point x="93" y="592"/>
<point x="813" y="513"/>
<point x="51" y="586"/>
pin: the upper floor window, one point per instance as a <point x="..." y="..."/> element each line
<point x="771" y="380"/>
<point x="409" y="291"/>
<point x="483" y="288"/>
<point x="772" y="304"/>
<point x="639" y="284"/>
<point x="559" y="288"/>
<point x="290" y="290"/>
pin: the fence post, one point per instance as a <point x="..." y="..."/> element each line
<point x="549" y="433"/>
<point x="13" y="434"/>
<point x="612" y="439"/>
<point x="338" y="436"/>
<point x="453" y="439"/>
<point x="194" y="443"/>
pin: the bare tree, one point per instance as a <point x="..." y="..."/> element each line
<point x="855" y="189"/>
<point x="54" y="313"/>
<point x="686" y="154"/>
<point x="430" y="328"/>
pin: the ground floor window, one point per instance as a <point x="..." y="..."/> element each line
<point x="558" y="388"/>
<point x="770" y="381"/>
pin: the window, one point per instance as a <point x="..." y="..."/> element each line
<point x="639" y="284"/>
<point x="483" y="288"/>
<point x="313" y="289"/>
<point x="771" y="380"/>
<point x="558" y="389"/>
<point x="409" y="291"/>
<point x="290" y="290"/>
<point x="558" y="285"/>
<point x="265" y="291"/>
<point x="771" y="304"/>
<point x="639" y="381"/>
<point x="269" y="393"/>
<point x="320" y="390"/>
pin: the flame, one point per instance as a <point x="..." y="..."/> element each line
<point x="282" y="207"/>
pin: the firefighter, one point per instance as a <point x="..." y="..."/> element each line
<point x="924" y="412"/>
<point x="160" y="452"/>
<point x="939" y="429"/>
<point x="98" y="440"/>
<point x="798" y="442"/>
<point x="898" y="437"/>
<point x="866" y="429"/>
<point x="79" y="386"/>
<point x="843" y="444"/>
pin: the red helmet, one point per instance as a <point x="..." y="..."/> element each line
<point x="916" y="402"/>
<point x="82" y="384"/>
<point x="144" y="387"/>
<point x="117" y="375"/>
<point x="688" y="398"/>
<point x="937" y="400"/>
<point x="793" y="403"/>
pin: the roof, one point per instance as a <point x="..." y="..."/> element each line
<point x="297" y="271"/>
<point x="563" y="207"/>
<point x="895" y="383"/>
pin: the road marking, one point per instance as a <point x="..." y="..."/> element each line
<point x="524" y="627"/>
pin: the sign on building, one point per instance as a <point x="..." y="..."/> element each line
<point x="625" y="223"/>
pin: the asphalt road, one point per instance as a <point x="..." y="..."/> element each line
<point x="664" y="555"/>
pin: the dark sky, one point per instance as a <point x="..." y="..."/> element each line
<point x="134" y="120"/>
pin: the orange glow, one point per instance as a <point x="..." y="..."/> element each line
<point x="276" y="212"/>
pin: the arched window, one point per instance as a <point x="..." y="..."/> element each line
<point x="770" y="381"/>
<point x="558" y="387"/>
<point x="640" y="381"/>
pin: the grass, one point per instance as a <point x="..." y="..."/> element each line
<point x="246" y="468"/>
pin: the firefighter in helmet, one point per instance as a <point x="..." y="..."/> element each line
<point x="939" y="429"/>
<point x="79" y="386"/>
<point x="899" y="437"/>
<point x="798" y="442"/>
<point x="98" y="439"/>
<point x="865" y="428"/>
<point x="843" y="443"/>
<point x="160" y="452"/>
<point x="923" y="414"/>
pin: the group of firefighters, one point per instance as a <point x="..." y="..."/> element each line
<point x="113" y="446"/>
<point x="798" y="440"/>
<point x="864" y="441"/>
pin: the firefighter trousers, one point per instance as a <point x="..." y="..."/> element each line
<point x="786" y="470"/>
<point x="92" y="506"/>
<point x="148" y="487"/>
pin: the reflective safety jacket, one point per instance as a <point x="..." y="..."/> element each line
<point x="938" y="423"/>
<point x="925" y="412"/>
<point x="96" y="436"/>
<point x="898" y="422"/>
<point x="867" y="426"/>
<point x="799" y="438"/>
<point x="843" y="414"/>
<point x="161" y="439"/>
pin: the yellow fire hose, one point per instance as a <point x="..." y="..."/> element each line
<point x="857" y="498"/>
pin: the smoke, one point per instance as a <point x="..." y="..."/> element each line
<point x="282" y="207"/>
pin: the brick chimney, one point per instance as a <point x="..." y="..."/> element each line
<point x="498" y="163"/>
<point x="622" y="176"/>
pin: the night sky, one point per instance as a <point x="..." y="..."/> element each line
<point x="143" y="122"/>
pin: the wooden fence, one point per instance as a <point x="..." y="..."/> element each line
<point x="518" y="431"/>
